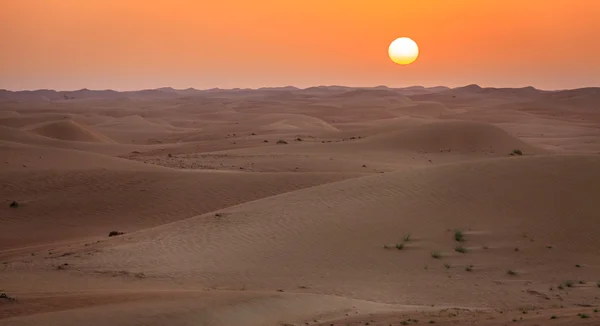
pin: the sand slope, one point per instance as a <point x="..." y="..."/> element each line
<point x="307" y="239"/>
<point x="68" y="130"/>
<point x="459" y="136"/>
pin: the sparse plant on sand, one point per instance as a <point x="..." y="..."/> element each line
<point x="598" y="283"/>
<point x="5" y="296"/>
<point x="461" y="249"/>
<point x="516" y="152"/>
<point x="447" y="266"/>
<point x="459" y="235"/>
<point x="407" y="237"/>
<point x="583" y="316"/>
<point x="568" y="283"/>
<point x="511" y="272"/>
<point x="436" y="254"/>
<point x="115" y="233"/>
<point x="14" y="204"/>
<point x="400" y="246"/>
<point x="553" y="317"/>
<point x="469" y="268"/>
<point x="281" y="141"/>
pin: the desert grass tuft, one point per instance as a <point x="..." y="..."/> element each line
<point x="459" y="235"/>
<point x="461" y="249"/>
<point x="568" y="283"/>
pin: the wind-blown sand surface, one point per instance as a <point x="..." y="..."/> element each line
<point x="285" y="206"/>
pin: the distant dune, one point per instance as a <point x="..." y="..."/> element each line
<point x="448" y="136"/>
<point x="291" y="122"/>
<point x="68" y="130"/>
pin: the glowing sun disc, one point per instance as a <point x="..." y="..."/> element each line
<point x="403" y="51"/>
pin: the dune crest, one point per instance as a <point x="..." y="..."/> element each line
<point x="68" y="130"/>
<point x="452" y="136"/>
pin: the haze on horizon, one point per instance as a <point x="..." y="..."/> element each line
<point x="130" y="45"/>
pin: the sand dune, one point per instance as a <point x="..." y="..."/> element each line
<point x="287" y="206"/>
<point x="291" y="123"/>
<point x="128" y="196"/>
<point x="214" y="309"/>
<point x="68" y="130"/>
<point x="27" y="138"/>
<point x="449" y="136"/>
<point x="262" y="245"/>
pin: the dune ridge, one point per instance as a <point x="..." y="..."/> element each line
<point x="68" y="130"/>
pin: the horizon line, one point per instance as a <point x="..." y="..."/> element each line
<point x="290" y="86"/>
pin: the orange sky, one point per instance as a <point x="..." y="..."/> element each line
<point x="134" y="44"/>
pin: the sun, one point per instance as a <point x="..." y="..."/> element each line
<point x="403" y="51"/>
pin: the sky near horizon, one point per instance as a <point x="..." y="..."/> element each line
<point x="137" y="44"/>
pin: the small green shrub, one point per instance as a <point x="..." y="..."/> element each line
<point x="459" y="236"/>
<point x="461" y="249"/>
<point x="436" y="254"/>
<point x="469" y="268"/>
<point x="511" y="272"/>
<point x="281" y="141"/>
<point x="407" y="237"/>
<point x="517" y="152"/>
<point x="400" y="246"/>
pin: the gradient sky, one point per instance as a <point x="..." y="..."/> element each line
<point x="135" y="44"/>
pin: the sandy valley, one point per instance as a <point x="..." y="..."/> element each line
<point x="329" y="205"/>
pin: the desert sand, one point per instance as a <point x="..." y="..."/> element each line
<point x="329" y="205"/>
